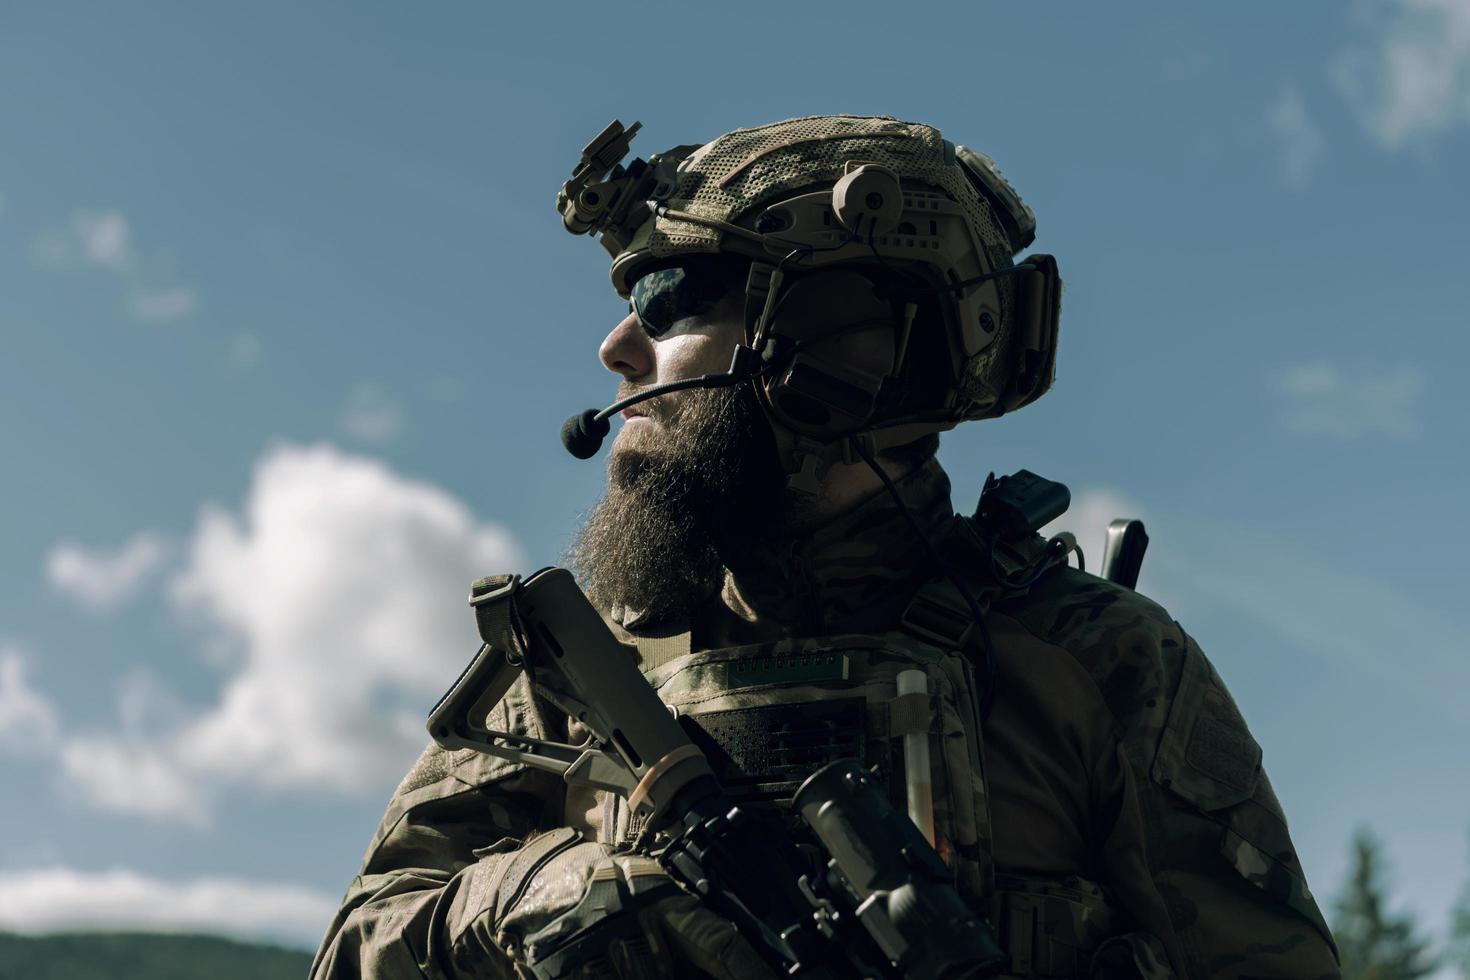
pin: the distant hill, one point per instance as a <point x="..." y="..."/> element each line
<point x="144" y="956"/>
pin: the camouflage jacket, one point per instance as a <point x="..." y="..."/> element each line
<point x="1116" y="789"/>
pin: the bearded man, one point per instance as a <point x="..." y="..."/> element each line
<point x="777" y="544"/>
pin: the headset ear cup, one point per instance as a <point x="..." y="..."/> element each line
<point x="1036" y="315"/>
<point x="832" y="342"/>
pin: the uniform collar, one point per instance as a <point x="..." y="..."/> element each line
<point x="852" y="573"/>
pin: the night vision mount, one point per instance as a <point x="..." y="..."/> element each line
<point x="605" y="198"/>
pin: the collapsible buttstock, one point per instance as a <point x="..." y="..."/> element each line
<point x="580" y="667"/>
<point x="546" y="626"/>
<point x="458" y="720"/>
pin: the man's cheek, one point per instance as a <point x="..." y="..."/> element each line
<point x="636" y="431"/>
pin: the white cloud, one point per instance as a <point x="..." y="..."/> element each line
<point x="340" y="586"/>
<point x="146" y="706"/>
<point x="1322" y="399"/>
<point x="1301" y="140"/>
<point x="58" y="898"/>
<point x="92" y="239"/>
<point x="1414" y="82"/>
<point x="162" y="305"/>
<point x="28" y="722"/>
<point x="346" y="584"/>
<point x="137" y="770"/>
<point x="103" y="240"/>
<point x="1092" y="510"/>
<point x="135" y="776"/>
<point x="371" y="415"/>
<point x="103" y="580"/>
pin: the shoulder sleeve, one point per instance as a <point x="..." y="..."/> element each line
<point x="415" y="910"/>
<point x="1216" y="838"/>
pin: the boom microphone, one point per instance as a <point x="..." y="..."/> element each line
<point x="583" y="433"/>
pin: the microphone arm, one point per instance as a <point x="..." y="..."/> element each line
<point x="582" y="434"/>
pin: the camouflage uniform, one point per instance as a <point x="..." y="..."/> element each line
<point x="1116" y="812"/>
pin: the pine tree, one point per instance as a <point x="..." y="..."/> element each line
<point x="1458" y="952"/>
<point x="1375" y="945"/>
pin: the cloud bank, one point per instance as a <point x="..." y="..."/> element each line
<point x="49" y="899"/>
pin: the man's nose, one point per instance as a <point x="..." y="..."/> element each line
<point x="627" y="349"/>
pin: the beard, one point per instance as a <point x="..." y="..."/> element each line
<point x="703" y="483"/>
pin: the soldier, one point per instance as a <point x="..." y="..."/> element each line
<point x="777" y="544"/>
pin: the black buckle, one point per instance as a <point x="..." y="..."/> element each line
<point x="937" y="622"/>
<point x="508" y="587"/>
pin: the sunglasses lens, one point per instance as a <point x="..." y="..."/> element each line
<point x="663" y="298"/>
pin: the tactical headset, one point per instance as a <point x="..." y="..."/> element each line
<point x="830" y="345"/>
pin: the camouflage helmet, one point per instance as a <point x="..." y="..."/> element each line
<point x="792" y="198"/>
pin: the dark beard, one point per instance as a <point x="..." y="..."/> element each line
<point x="653" y="545"/>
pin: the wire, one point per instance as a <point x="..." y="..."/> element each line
<point x="987" y="647"/>
<point x="897" y="273"/>
<point x="1046" y="565"/>
<point x="987" y="277"/>
<point x="769" y="314"/>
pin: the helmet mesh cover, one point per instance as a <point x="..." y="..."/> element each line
<point x="732" y="176"/>
<point x="742" y="170"/>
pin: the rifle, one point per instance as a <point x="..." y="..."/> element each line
<point x="882" y="904"/>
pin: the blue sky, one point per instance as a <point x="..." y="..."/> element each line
<point x="288" y="325"/>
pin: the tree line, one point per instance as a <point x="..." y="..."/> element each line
<point x="1376" y="943"/>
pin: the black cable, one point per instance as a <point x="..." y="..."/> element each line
<point x="800" y="345"/>
<point x="803" y="251"/>
<point x="987" y="277"/>
<point x="1046" y="565"/>
<point x="987" y="647"/>
<point x="896" y="273"/>
<point x="916" y="287"/>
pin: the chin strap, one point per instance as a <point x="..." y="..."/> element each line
<point x="807" y="461"/>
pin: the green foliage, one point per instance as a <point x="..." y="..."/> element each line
<point x="1375" y="945"/>
<point x="135" y="956"/>
<point x="1458" y="952"/>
